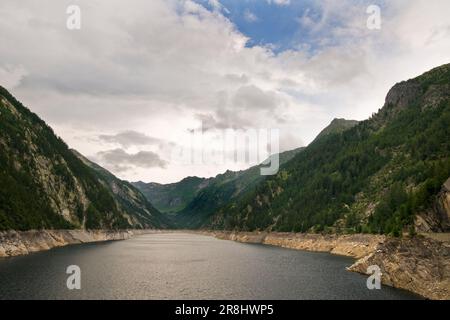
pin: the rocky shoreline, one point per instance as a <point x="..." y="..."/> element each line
<point x="420" y="265"/>
<point x="16" y="243"/>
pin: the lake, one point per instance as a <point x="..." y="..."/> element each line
<point x="185" y="266"/>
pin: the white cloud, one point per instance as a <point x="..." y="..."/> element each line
<point x="160" y="68"/>
<point x="280" y="2"/>
<point x="250" y="16"/>
<point x="217" y="6"/>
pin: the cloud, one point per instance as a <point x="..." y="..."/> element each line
<point x="119" y="160"/>
<point x="11" y="76"/>
<point x="250" y="16"/>
<point x="253" y="98"/>
<point x="217" y="6"/>
<point x="151" y="71"/>
<point x="130" y="138"/>
<point x="280" y="2"/>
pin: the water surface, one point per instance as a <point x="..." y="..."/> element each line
<point x="185" y="266"/>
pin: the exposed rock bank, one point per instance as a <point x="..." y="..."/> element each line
<point x="356" y="246"/>
<point x="15" y="243"/>
<point x="420" y="265"/>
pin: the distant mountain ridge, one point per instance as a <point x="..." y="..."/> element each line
<point x="173" y="197"/>
<point x="194" y="200"/>
<point x="45" y="185"/>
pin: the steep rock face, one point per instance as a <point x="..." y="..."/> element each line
<point x="418" y="265"/>
<point x="44" y="185"/>
<point x="428" y="90"/>
<point x="403" y="94"/>
<point x="129" y="200"/>
<point x="443" y="206"/>
<point x="437" y="217"/>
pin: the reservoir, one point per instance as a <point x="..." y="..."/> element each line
<point x="185" y="266"/>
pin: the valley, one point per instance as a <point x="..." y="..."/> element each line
<point x="376" y="190"/>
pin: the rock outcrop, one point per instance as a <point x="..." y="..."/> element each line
<point x="419" y="265"/>
<point x="443" y="205"/>
<point x="436" y="218"/>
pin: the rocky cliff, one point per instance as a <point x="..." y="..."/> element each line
<point x="437" y="217"/>
<point x="419" y="265"/>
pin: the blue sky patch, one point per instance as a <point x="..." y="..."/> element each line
<point x="279" y="26"/>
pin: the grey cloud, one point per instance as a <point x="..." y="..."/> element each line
<point x="243" y="109"/>
<point x="252" y="97"/>
<point x="120" y="160"/>
<point x="240" y="79"/>
<point x="130" y="138"/>
<point x="120" y="71"/>
<point x="223" y="119"/>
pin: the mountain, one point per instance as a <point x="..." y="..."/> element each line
<point x="232" y="186"/>
<point x="174" y="197"/>
<point x="388" y="174"/>
<point x="45" y="185"/>
<point x="222" y="189"/>
<point x="194" y="199"/>
<point x="128" y="198"/>
<point x="337" y="126"/>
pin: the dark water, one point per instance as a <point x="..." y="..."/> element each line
<point x="185" y="266"/>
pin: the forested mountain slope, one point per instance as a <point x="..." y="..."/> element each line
<point x="193" y="200"/>
<point x="43" y="184"/>
<point x="222" y="189"/>
<point x="385" y="175"/>
<point x="173" y="197"/>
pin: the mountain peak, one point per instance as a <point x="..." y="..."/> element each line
<point x="427" y="90"/>
<point x="336" y="126"/>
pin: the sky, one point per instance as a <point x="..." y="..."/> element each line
<point x="131" y="86"/>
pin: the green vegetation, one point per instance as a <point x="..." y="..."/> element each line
<point x="398" y="161"/>
<point x="174" y="197"/>
<point x="337" y="126"/>
<point x="220" y="190"/>
<point x="374" y="176"/>
<point x="193" y="200"/>
<point x="40" y="178"/>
